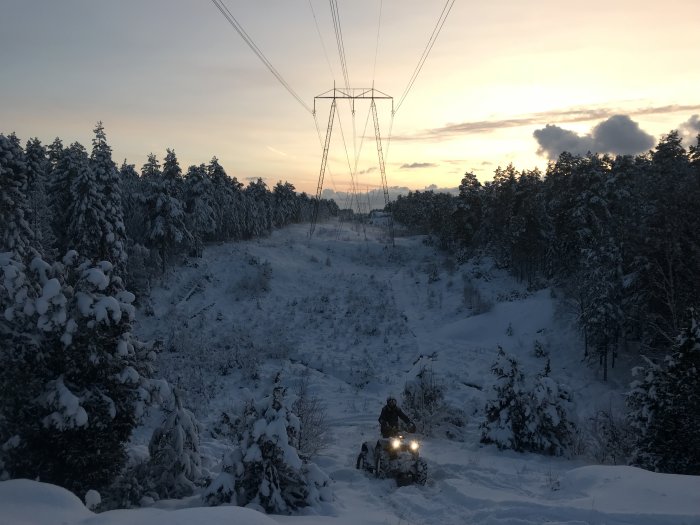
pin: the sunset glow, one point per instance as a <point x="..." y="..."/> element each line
<point x="175" y="75"/>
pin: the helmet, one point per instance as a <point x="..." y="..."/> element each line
<point x="391" y="401"/>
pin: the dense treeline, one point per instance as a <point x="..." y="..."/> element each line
<point x="75" y="231"/>
<point x="620" y="235"/>
<point x="140" y="222"/>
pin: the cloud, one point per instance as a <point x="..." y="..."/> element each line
<point x="279" y="152"/>
<point x="621" y="135"/>
<point x="693" y="123"/>
<point x="690" y="129"/>
<point x="618" y="134"/>
<point x="559" y="116"/>
<point x="438" y="189"/>
<point x="418" y="165"/>
<point x="553" y="140"/>
<point x="368" y="170"/>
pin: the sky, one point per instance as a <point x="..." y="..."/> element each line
<point x="506" y="81"/>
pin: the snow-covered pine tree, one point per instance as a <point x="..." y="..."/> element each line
<point x="113" y="236"/>
<point x="694" y="155"/>
<point x="86" y="213"/>
<point x="165" y="216"/>
<point x="548" y="425"/>
<point x="264" y="471"/>
<point x="16" y="235"/>
<point x="39" y="218"/>
<point x="176" y="465"/>
<point x="285" y="208"/>
<point x="258" y="207"/>
<point x="19" y="346"/>
<point x="469" y="207"/>
<point x="227" y="202"/>
<point x="139" y="266"/>
<point x="199" y="206"/>
<point x="526" y="418"/>
<point x="132" y="202"/>
<point x="54" y="152"/>
<point x="67" y="165"/>
<point x="506" y="412"/>
<point x="172" y="175"/>
<point x="151" y="170"/>
<point x="665" y="408"/>
<point x="78" y="382"/>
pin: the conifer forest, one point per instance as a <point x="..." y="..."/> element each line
<point x="85" y="241"/>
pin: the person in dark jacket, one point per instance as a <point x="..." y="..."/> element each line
<point x="389" y="419"/>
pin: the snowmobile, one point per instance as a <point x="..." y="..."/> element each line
<point x="394" y="457"/>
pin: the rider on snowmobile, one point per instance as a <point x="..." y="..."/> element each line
<point x="389" y="419"/>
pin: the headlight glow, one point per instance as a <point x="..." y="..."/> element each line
<point x="396" y="443"/>
<point x="414" y="445"/>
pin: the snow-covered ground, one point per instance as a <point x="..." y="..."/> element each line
<point x="364" y="318"/>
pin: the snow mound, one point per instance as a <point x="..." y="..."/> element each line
<point x="631" y="490"/>
<point x="30" y="502"/>
<point x="25" y="502"/>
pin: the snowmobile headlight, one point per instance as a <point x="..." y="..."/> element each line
<point x="395" y="443"/>
<point x="414" y="445"/>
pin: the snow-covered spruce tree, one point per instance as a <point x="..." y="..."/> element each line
<point x="54" y="152"/>
<point x="524" y="418"/>
<point x="67" y="165"/>
<point x="285" y="206"/>
<point x="227" y="202"/>
<point x="258" y="209"/>
<point x="77" y="381"/>
<point x="17" y="332"/>
<point x="505" y="423"/>
<point x="199" y="206"/>
<point x="86" y="213"/>
<point x="264" y="471"/>
<point x="39" y="213"/>
<point x="549" y="428"/>
<point x="15" y="233"/>
<point x="113" y="240"/>
<point x="165" y="215"/>
<point x="665" y="408"/>
<point x="175" y="463"/>
<point x="139" y="267"/>
<point x="132" y="202"/>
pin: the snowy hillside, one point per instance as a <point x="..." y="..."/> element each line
<point x="363" y="319"/>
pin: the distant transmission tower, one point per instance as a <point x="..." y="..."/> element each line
<point x="352" y="94"/>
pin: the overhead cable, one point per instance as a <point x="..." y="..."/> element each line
<point x="323" y="45"/>
<point x="251" y="44"/>
<point x="376" y="48"/>
<point x="431" y="41"/>
<point x="339" y="41"/>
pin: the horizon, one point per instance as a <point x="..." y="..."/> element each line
<point x="176" y="75"/>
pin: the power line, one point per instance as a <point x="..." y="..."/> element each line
<point x="251" y="44"/>
<point x="429" y="46"/>
<point x="323" y="45"/>
<point x="339" y="41"/>
<point x="376" y="48"/>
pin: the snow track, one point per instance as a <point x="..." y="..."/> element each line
<point x="364" y="319"/>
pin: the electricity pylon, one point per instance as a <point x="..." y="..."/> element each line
<point x="352" y="94"/>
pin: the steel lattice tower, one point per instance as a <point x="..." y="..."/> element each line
<point x="352" y="94"/>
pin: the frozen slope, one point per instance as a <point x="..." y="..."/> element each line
<point x="364" y="318"/>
